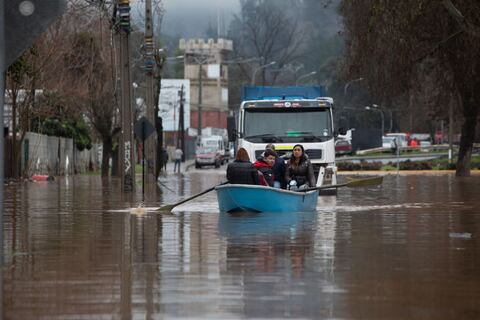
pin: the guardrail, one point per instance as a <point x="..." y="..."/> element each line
<point x="432" y="148"/>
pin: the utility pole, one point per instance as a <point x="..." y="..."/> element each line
<point x="3" y="66"/>
<point x="181" y="125"/>
<point x="200" y="66"/>
<point x="159" y="60"/>
<point x="127" y="164"/>
<point x="150" y="143"/>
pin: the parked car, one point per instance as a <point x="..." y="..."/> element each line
<point x="208" y="156"/>
<point x="343" y="147"/>
<point x="402" y="139"/>
<point x="387" y="142"/>
<point x="425" y="145"/>
<point x="217" y="142"/>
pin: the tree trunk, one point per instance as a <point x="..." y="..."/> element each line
<point x="15" y="166"/>
<point x="466" y="141"/>
<point x="106" y="154"/>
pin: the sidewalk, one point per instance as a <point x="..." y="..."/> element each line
<point x="184" y="166"/>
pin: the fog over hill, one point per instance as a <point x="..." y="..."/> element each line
<point x="191" y="18"/>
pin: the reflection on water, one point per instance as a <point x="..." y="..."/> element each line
<point x="405" y="250"/>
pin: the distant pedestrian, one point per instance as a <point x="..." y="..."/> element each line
<point x="394" y="146"/>
<point x="178" y="159"/>
<point x="413" y="143"/>
<point x="165" y="158"/>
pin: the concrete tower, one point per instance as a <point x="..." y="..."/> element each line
<point x="207" y="58"/>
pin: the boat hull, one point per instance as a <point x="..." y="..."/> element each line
<point x="236" y="197"/>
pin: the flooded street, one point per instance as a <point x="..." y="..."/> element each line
<point x="408" y="249"/>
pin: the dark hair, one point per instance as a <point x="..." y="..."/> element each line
<point x="242" y="155"/>
<point x="270" y="146"/>
<point x="302" y="157"/>
<point x="269" y="152"/>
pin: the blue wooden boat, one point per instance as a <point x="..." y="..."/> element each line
<point x="245" y="197"/>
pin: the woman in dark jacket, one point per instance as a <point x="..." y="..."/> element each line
<point x="299" y="172"/>
<point x="242" y="171"/>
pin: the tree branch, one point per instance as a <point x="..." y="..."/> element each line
<point x="458" y="16"/>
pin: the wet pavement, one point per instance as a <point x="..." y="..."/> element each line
<point x="409" y="249"/>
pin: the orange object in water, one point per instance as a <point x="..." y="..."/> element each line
<point x="42" y="177"/>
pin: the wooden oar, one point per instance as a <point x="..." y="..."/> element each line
<point x="169" y="207"/>
<point x="352" y="184"/>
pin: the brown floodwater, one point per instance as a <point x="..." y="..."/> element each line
<point x="409" y="249"/>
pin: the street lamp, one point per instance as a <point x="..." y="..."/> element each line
<point x="348" y="85"/>
<point x="173" y="58"/>
<point x="259" y="68"/>
<point x="376" y="108"/>
<point x="305" y="76"/>
<point x="242" y="60"/>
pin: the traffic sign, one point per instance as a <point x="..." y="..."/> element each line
<point x="143" y="128"/>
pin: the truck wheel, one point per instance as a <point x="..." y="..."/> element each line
<point x="197" y="166"/>
<point x="217" y="164"/>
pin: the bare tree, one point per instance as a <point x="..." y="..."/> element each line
<point x="89" y="76"/>
<point x="266" y="30"/>
<point x="394" y="44"/>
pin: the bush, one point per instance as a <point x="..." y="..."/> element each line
<point x="362" y="166"/>
<point x="437" y="164"/>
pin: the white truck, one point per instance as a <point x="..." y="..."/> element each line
<point x="286" y="116"/>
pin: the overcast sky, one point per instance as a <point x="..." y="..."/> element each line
<point x="190" y="18"/>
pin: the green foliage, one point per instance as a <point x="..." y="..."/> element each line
<point x="61" y="123"/>
<point x="388" y="168"/>
<point x="77" y="130"/>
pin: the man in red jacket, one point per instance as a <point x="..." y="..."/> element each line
<point x="264" y="166"/>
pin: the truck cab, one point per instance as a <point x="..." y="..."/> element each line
<point x="287" y="116"/>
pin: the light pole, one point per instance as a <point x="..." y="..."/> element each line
<point x="305" y="76"/>
<point x="242" y="60"/>
<point x="375" y="107"/>
<point x="345" y="88"/>
<point x="259" y="68"/>
<point x="200" y="62"/>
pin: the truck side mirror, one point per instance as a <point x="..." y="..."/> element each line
<point x="342" y="131"/>
<point x="232" y="132"/>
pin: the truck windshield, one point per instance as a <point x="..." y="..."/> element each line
<point x="287" y="124"/>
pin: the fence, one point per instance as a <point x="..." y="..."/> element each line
<point x="41" y="154"/>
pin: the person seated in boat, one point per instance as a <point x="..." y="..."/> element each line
<point x="299" y="172"/>
<point x="242" y="171"/>
<point x="278" y="168"/>
<point x="264" y="166"/>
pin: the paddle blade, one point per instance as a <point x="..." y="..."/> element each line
<point x="364" y="182"/>
<point x="167" y="209"/>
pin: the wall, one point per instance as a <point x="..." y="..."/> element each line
<point x="41" y="154"/>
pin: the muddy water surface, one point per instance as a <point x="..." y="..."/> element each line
<point x="409" y="249"/>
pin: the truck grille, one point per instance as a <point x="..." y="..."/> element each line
<point x="312" y="153"/>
